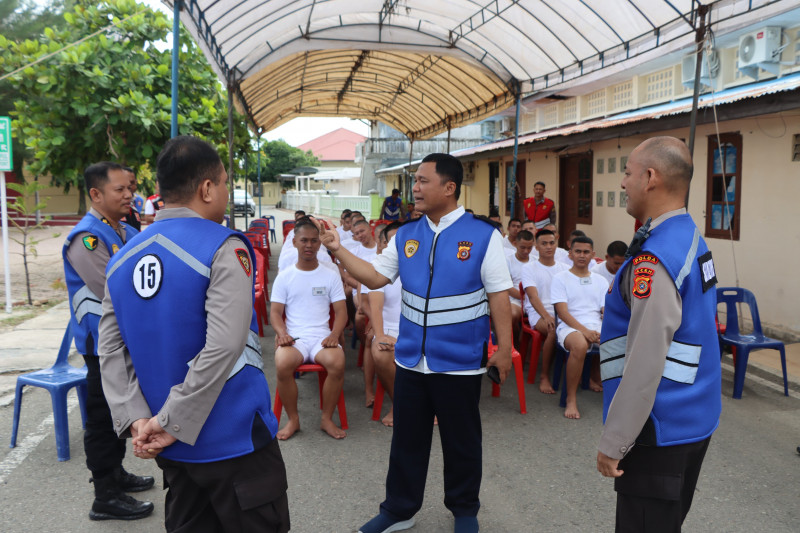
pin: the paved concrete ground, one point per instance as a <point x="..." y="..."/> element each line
<point x="539" y="473"/>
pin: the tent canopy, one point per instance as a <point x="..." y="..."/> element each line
<point x="424" y="66"/>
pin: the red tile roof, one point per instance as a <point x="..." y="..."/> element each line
<point x="338" y="145"/>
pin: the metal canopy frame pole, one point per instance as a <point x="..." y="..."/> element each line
<point x="176" y="50"/>
<point x="448" y="136"/>
<point x="231" y="175"/>
<point x="698" y="69"/>
<point x="513" y="182"/>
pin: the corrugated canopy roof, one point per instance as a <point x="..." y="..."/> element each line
<point x="423" y="66"/>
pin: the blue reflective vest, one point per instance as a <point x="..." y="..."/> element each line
<point x="392" y="209"/>
<point x="445" y="309"/>
<point x="158" y="287"/>
<point x="688" y="400"/>
<point x="85" y="306"/>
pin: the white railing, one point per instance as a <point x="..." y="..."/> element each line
<point x="323" y="203"/>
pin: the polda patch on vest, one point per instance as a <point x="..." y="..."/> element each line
<point x="645" y="258"/>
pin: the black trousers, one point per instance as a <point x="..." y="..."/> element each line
<point x="417" y="399"/>
<point x="104" y="450"/>
<point x="240" y="495"/>
<point x="655" y="492"/>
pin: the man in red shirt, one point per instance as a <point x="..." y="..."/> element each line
<point x="538" y="208"/>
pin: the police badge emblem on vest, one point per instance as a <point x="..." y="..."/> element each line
<point x="463" y="250"/>
<point x="411" y="247"/>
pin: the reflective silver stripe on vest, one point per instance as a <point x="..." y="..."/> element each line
<point x="612" y="358"/>
<point x="251" y="355"/>
<point x="680" y="366"/>
<point x="542" y="223"/>
<point x="690" y="257"/>
<point x="86" y="302"/>
<point x="446" y="309"/>
<point x="176" y="250"/>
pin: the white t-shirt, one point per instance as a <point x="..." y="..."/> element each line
<point x="289" y="258"/>
<point x="367" y="254"/>
<point x="149" y="208"/>
<point x="562" y="256"/>
<point x="307" y="296"/>
<point x="392" y="298"/>
<point x="585" y="297"/>
<point x="535" y="274"/>
<point x="600" y="269"/>
<point x="515" y="269"/>
<point x="508" y="245"/>
<point x="344" y="235"/>
<point x="288" y="238"/>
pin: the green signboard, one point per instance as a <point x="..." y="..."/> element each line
<point x="6" y="163"/>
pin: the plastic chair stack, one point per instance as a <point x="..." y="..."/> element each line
<point x="58" y="380"/>
<point x="744" y="344"/>
<point x="288" y="225"/>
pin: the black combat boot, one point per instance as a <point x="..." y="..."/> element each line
<point x="132" y="483"/>
<point x="110" y="503"/>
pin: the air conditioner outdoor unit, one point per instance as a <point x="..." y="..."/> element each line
<point x="708" y="75"/>
<point x="760" y="49"/>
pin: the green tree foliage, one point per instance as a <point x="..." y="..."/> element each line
<point x="277" y="157"/>
<point x="108" y="98"/>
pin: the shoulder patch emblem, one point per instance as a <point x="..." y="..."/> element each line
<point x="643" y="271"/>
<point x="463" y="250"/>
<point x="244" y="260"/>
<point x="645" y="258"/>
<point x="114" y="249"/>
<point x="641" y="286"/>
<point x="411" y="247"/>
<point x="90" y="242"/>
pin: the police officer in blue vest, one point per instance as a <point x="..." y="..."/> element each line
<point x="392" y="208"/>
<point x="97" y="237"/>
<point x="181" y="357"/>
<point x="659" y="350"/>
<point x="453" y="272"/>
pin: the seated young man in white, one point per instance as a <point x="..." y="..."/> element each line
<point x="366" y="249"/>
<point x="384" y="315"/>
<point x="615" y="256"/>
<point x="536" y="278"/>
<point x="516" y="261"/>
<point x="579" y="297"/>
<point x="289" y="254"/>
<point x="510" y="240"/>
<point x="562" y="254"/>
<point x="305" y="293"/>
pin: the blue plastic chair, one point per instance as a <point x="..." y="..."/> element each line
<point x="731" y="296"/>
<point x="58" y="380"/>
<point x="271" y="220"/>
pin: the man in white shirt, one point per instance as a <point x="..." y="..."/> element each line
<point x="289" y="254"/>
<point x="615" y="256"/>
<point x="562" y="254"/>
<point x="384" y="315"/>
<point x="288" y="240"/>
<point x="516" y="262"/>
<point x="579" y="297"/>
<point x="439" y="368"/>
<point x="344" y="226"/>
<point x="510" y="240"/>
<point x="365" y="249"/>
<point x="305" y="294"/>
<point x="536" y="279"/>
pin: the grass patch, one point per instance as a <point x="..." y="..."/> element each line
<point x="25" y="312"/>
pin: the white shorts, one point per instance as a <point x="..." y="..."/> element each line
<point x="391" y="332"/>
<point x="309" y="348"/>
<point x="563" y="331"/>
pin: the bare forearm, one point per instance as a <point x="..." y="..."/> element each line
<point x="361" y="270"/>
<point x="500" y="308"/>
<point x="566" y="318"/>
<point x="538" y="306"/>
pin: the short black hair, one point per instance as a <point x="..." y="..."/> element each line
<point x="304" y="222"/>
<point x="395" y="191"/>
<point x="524" y="235"/>
<point x="514" y="219"/>
<point x="393" y="226"/>
<point x="356" y="213"/>
<point x="617" y="249"/>
<point x="360" y="221"/>
<point x="582" y="240"/>
<point x="543" y="232"/>
<point x="183" y="164"/>
<point x="129" y="169"/>
<point x="346" y="212"/>
<point x="469" y="211"/>
<point x="528" y="221"/>
<point x="540" y="183"/>
<point x="299" y="212"/>
<point x="577" y="233"/>
<point x="96" y="175"/>
<point x="449" y="169"/>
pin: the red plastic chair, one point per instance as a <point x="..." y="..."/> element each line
<point x="530" y="341"/>
<point x="261" y="298"/>
<point x="263" y="232"/>
<point x="288" y="225"/>
<point x="516" y="362"/>
<point x="377" y="405"/>
<point x="321" y="375"/>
